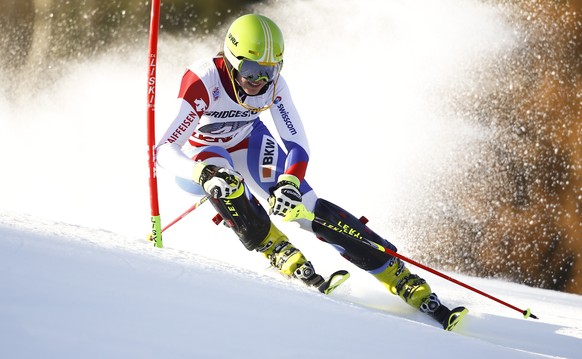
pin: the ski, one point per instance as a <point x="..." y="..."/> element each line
<point x="335" y="280"/>
<point x="455" y="318"/>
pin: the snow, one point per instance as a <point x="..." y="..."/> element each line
<point x="72" y="291"/>
<point x="80" y="281"/>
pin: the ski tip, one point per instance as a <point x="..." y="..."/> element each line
<point x="455" y="318"/>
<point x="340" y="272"/>
<point x="528" y="314"/>
<point x="334" y="281"/>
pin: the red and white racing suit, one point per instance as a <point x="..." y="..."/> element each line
<point x="210" y="125"/>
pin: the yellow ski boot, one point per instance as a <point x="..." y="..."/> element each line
<point x="417" y="293"/>
<point x="398" y="279"/>
<point x="287" y="259"/>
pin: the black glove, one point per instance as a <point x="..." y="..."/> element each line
<point x="219" y="182"/>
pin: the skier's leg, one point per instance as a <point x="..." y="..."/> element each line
<point x="248" y="219"/>
<point x="251" y="223"/>
<point x="389" y="270"/>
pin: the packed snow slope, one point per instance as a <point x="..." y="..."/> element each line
<point x="79" y="281"/>
<point x="74" y="292"/>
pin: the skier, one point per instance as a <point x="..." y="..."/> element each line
<point x="218" y="146"/>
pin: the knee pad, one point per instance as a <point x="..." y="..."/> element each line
<point x="355" y="251"/>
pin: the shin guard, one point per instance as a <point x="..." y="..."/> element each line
<point x="357" y="252"/>
<point x="245" y="215"/>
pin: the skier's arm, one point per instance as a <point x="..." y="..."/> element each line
<point x="290" y="129"/>
<point x="192" y="101"/>
<point x="297" y="160"/>
<point x="169" y="154"/>
<point x="286" y="195"/>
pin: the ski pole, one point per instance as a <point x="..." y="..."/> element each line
<point x="186" y="212"/>
<point x="303" y="212"/>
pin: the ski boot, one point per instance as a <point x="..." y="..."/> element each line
<point x="416" y="292"/>
<point x="286" y="258"/>
<point x="398" y="279"/>
<point x="447" y="317"/>
<point x="291" y="262"/>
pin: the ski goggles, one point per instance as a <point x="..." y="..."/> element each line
<point x="253" y="71"/>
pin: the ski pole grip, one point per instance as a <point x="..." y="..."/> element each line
<point x="299" y="212"/>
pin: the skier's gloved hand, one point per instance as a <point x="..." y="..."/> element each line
<point x="219" y="182"/>
<point x="285" y="195"/>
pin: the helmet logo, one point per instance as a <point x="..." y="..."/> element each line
<point x="232" y="39"/>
